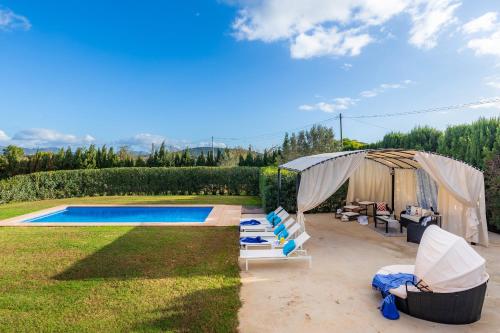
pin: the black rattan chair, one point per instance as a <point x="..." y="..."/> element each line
<point x="463" y="307"/>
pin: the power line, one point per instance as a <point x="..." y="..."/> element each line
<point x="437" y="109"/>
<point x="455" y="107"/>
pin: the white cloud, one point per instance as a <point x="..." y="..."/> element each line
<point x="492" y="81"/>
<point x="3" y="136"/>
<point x="344" y="103"/>
<point x="340" y="28"/>
<point x="384" y="87"/>
<point x="338" y="104"/>
<point x="142" y="141"/>
<point x="486" y="22"/>
<point x="429" y="17"/>
<point x="209" y="144"/>
<point x="321" y="42"/>
<point x="346" y="66"/>
<point x="145" y="138"/>
<point x="489" y="45"/>
<point x="42" y="137"/>
<point x="11" y="21"/>
<point x="489" y="42"/>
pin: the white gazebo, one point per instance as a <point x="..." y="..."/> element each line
<point x="389" y="175"/>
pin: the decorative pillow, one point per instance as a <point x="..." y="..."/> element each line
<point x="381" y="206"/>
<point x="408" y="209"/>
<point x="289" y="247"/>
<point x="426" y="212"/>
<point x="413" y="210"/>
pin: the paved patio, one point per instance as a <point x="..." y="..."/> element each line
<point x="335" y="295"/>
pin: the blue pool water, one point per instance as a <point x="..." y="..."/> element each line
<point x="126" y="214"/>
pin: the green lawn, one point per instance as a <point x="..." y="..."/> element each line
<point x="119" y="279"/>
<point x="19" y="208"/>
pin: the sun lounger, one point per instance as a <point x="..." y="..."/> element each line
<point x="269" y="240"/>
<point x="279" y="254"/>
<point x="268" y="232"/>
<point x="264" y="225"/>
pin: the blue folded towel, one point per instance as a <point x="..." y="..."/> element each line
<point x="279" y="229"/>
<point x="289" y="247"/>
<point x="283" y="234"/>
<point x="386" y="282"/>
<point x="270" y="216"/>
<point x="250" y="222"/>
<point x="253" y="240"/>
<point x="275" y="220"/>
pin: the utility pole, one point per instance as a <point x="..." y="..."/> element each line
<point x="213" y="152"/>
<point x="341" y="137"/>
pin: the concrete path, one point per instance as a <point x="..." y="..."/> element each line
<point x="336" y="295"/>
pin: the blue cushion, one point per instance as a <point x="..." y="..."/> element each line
<point x="289" y="247"/>
<point x="279" y="229"/>
<point x="276" y="220"/>
<point x="284" y="234"/>
<point x="270" y="216"/>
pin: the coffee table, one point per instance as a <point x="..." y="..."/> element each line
<point x="387" y="220"/>
<point x="351" y="215"/>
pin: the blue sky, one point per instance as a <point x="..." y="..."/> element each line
<point x="80" y="72"/>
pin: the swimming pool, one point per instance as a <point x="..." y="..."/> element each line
<point x="124" y="214"/>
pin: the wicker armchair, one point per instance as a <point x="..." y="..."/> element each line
<point x="463" y="307"/>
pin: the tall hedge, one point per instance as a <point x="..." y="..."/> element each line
<point x="268" y="185"/>
<point x="123" y="181"/>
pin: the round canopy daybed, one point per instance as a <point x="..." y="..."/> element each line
<point x="389" y="175"/>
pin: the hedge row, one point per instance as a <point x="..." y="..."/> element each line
<point x="268" y="184"/>
<point x="124" y="181"/>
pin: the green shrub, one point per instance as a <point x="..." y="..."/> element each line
<point x="124" y="181"/>
<point x="268" y="184"/>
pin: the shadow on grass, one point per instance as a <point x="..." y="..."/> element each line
<point x="156" y="252"/>
<point x="207" y="310"/>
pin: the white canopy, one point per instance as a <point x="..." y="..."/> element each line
<point x="446" y="263"/>
<point x="371" y="172"/>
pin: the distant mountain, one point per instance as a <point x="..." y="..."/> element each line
<point x="32" y="151"/>
<point x="198" y="150"/>
<point x="195" y="152"/>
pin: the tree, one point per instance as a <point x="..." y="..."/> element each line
<point x="201" y="161"/>
<point x="319" y="139"/>
<point x="14" y="156"/>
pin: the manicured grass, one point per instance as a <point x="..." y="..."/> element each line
<point x="19" y="208"/>
<point x="118" y="279"/>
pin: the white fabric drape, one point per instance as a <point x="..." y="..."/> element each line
<point x="320" y="181"/>
<point x="460" y="196"/>
<point x="405" y="189"/>
<point x="371" y="181"/>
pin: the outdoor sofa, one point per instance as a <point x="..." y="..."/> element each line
<point x="415" y="225"/>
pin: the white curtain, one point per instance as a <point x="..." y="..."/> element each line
<point x="405" y="189"/>
<point x="460" y="196"/>
<point x="319" y="182"/>
<point x="372" y="181"/>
